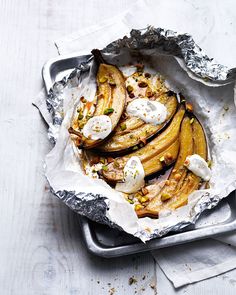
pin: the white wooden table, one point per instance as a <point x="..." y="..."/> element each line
<point x="41" y="251"/>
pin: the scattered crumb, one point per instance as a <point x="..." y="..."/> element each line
<point x="143" y="289"/>
<point x="226" y="108"/>
<point x="132" y="280"/>
<point x="152" y="285"/>
<point x="112" y="291"/>
<point x="109" y="284"/>
<point x="144" y="277"/>
<point x="98" y="282"/>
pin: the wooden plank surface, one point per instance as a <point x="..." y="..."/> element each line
<point x="41" y="251"/>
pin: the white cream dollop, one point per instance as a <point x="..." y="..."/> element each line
<point x="133" y="176"/>
<point x="97" y="127"/>
<point x="198" y="166"/>
<point x="152" y="112"/>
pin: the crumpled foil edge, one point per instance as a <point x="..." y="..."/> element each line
<point x="165" y="42"/>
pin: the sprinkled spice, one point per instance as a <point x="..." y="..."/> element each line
<point x="131" y="95"/>
<point x="142" y="84"/>
<point x="147" y="75"/>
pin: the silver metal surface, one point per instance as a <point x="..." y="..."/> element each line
<point x="107" y="242"/>
<point x="104" y="241"/>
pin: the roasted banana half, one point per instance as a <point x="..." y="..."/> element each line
<point x="181" y="182"/>
<point x="142" y="139"/>
<point x="133" y="130"/>
<point x="97" y="119"/>
<point x="154" y="156"/>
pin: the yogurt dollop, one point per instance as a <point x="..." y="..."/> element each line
<point x="198" y="166"/>
<point x="152" y="112"/>
<point x="97" y="127"/>
<point x="133" y="176"/>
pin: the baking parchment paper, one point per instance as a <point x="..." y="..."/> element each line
<point x="187" y="70"/>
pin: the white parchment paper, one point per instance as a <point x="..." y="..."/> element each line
<point x="214" y="106"/>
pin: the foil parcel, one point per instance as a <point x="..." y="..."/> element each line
<point x="190" y="71"/>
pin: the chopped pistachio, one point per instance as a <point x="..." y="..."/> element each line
<point x="116" y="164"/>
<point x="123" y="126"/>
<point x="209" y="163"/>
<point x="162" y="159"/>
<point x="130" y="201"/>
<point x="112" y="82"/>
<point x="103" y="79"/>
<point x="135" y="148"/>
<point x="138" y="207"/>
<point x="129" y="88"/>
<point x="104" y="167"/>
<point x="102" y="160"/>
<point x="165" y="196"/>
<point x="108" y="111"/>
<point x="191" y="121"/>
<point x="88" y="117"/>
<point x="137" y="195"/>
<point x="143" y="199"/>
<point x="131" y="136"/>
<point x="80" y="117"/>
<point x="81" y="124"/>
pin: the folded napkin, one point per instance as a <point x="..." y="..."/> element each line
<point x="188" y="263"/>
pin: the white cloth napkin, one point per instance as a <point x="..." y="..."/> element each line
<point x="188" y="263"/>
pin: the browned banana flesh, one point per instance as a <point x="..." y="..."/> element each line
<point x="175" y="195"/>
<point x="192" y="181"/>
<point x="164" y="148"/>
<point x="133" y="131"/>
<point x="110" y="101"/>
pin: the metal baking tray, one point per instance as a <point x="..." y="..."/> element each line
<point x="107" y="242"/>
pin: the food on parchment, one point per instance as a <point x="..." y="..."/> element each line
<point x="142" y="139"/>
<point x="143" y="119"/>
<point x="182" y="181"/>
<point x="96" y="119"/>
<point x="159" y="152"/>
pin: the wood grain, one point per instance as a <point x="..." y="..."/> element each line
<point x="41" y="251"/>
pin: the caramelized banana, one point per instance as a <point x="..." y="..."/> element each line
<point x="181" y="182"/>
<point x="133" y="130"/>
<point x="110" y="100"/>
<point x="158" y="153"/>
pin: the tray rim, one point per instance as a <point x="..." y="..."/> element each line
<point x="92" y="244"/>
<point x="95" y="247"/>
<point x="46" y="69"/>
